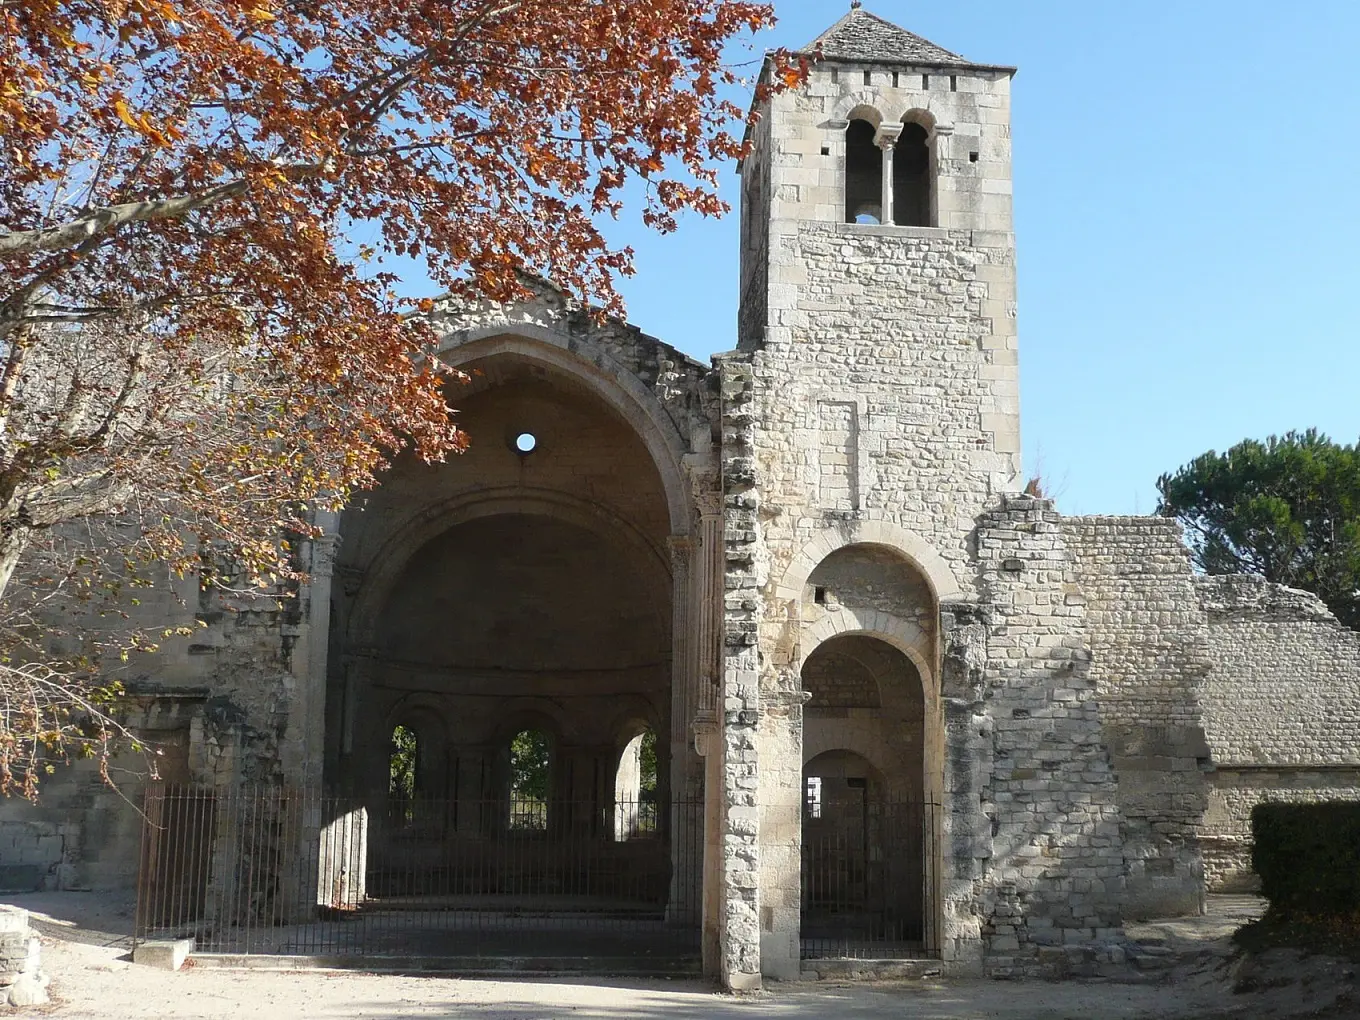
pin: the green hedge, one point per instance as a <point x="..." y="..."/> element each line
<point x="1308" y="856"/>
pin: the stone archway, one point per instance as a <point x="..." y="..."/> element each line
<point x="525" y="587"/>
<point x="866" y="652"/>
<point x="865" y="819"/>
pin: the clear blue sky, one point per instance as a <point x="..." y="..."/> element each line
<point x="1187" y="179"/>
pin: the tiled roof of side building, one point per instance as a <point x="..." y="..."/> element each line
<point x="862" y="36"/>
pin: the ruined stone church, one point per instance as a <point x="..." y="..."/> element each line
<point x="916" y="713"/>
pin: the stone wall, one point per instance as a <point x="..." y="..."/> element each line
<point x="1147" y="638"/>
<point x="1053" y="884"/>
<point x="221" y="705"/>
<point x="879" y="401"/>
<point x="1281" y="710"/>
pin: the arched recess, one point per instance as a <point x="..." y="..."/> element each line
<point x="535" y="591"/>
<point x="404" y="541"/>
<point x="891" y="730"/>
<point x="864" y="593"/>
<point x="863" y="174"/>
<point x="425" y="716"/>
<point x="862" y="579"/>
<point x="612" y="382"/>
<point x="915" y="171"/>
<point x="933" y="567"/>
<point x="904" y="635"/>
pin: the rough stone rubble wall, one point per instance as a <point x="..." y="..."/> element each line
<point x="1281" y="710"/>
<point x="1050" y="889"/>
<point x="1148" y="642"/>
<point x="220" y="705"/>
<point x="877" y="399"/>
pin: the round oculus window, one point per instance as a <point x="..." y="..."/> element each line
<point x="525" y="442"/>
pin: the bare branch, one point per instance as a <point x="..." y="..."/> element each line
<point x="99" y="221"/>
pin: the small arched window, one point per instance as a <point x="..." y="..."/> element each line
<point x="530" y="769"/>
<point x="913" y="203"/>
<point x="403" y="774"/>
<point x="863" y="174"/>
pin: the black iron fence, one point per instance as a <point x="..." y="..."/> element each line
<point x="297" y="871"/>
<point x="276" y="870"/>
<point x="868" y="871"/>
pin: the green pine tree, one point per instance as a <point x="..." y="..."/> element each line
<point x="1287" y="509"/>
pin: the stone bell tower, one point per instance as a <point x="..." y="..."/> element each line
<point x="877" y="231"/>
<point x="870" y="420"/>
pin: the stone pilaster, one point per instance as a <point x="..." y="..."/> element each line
<point x="740" y="704"/>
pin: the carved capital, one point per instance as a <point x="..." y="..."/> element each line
<point x="681" y="547"/>
<point x="351" y="580"/>
<point x="707" y="733"/>
<point x="324" y="549"/>
<point x="887" y="135"/>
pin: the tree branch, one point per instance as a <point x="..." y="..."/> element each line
<point x="98" y="221"/>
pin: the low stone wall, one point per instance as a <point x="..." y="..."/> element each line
<point x="1281" y="711"/>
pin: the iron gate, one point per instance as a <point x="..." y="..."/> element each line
<point x="287" y="871"/>
<point x="868" y="868"/>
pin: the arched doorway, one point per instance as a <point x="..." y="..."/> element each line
<point x="871" y="760"/>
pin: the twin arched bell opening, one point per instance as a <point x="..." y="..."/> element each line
<point x="904" y="194"/>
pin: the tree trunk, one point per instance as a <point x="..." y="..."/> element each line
<point x="13" y="541"/>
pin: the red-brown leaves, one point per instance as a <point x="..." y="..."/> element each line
<point x="201" y="163"/>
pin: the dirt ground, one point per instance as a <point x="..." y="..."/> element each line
<point x="85" y="949"/>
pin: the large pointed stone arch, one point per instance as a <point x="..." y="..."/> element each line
<point x="612" y="382"/>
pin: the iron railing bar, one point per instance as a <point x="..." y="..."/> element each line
<point x="281" y="870"/>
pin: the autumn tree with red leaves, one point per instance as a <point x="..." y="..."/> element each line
<point x="190" y="344"/>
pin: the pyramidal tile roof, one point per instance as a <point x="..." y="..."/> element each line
<point x="867" y="37"/>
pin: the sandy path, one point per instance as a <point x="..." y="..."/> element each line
<point x="92" y="981"/>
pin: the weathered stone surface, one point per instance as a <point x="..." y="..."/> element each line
<point x="805" y="566"/>
<point x="29" y="990"/>
<point x="163" y="954"/>
<point x="1281" y="711"/>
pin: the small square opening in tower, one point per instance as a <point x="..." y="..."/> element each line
<point x="819" y="595"/>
